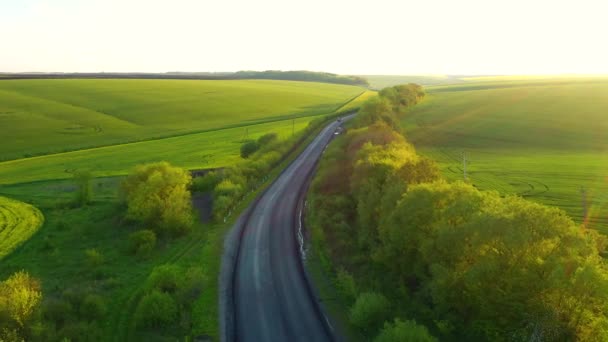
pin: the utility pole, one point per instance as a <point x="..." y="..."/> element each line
<point x="464" y="165"/>
<point x="246" y="133"/>
<point x="293" y="126"/>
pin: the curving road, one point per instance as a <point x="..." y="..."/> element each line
<point x="272" y="298"/>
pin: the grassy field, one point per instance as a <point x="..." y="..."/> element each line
<point x="544" y="139"/>
<point x="18" y="222"/>
<point x="50" y="116"/>
<point x="211" y="149"/>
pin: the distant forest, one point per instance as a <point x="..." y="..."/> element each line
<point x="309" y="76"/>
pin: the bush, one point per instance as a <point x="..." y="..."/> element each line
<point x="401" y="331"/>
<point x="369" y="312"/>
<point x="57" y="311"/>
<point x="141" y="243"/>
<point x="93" y="307"/>
<point x="207" y="182"/>
<point x="190" y="286"/>
<point x="20" y="296"/>
<point x="158" y="195"/>
<point x="346" y="285"/>
<point x="94" y="258"/>
<point x="165" y="278"/>
<point x="156" y="309"/>
<point x="267" y="138"/>
<point x="249" y="148"/>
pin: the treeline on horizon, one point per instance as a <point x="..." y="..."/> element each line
<point x="418" y="258"/>
<point x="296" y="75"/>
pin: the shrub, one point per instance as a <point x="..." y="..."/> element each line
<point x="346" y="285"/>
<point x="190" y="286"/>
<point x="158" y="195"/>
<point x="369" y="312"/>
<point x="57" y="311"/>
<point x="142" y="242"/>
<point x="207" y="182"/>
<point x="93" y="307"/>
<point x="156" y="309"/>
<point x="20" y="296"/>
<point x="267" y="138"/>
<point x="94" y="258"/>
<point x="249" y="148"/>
<point x="164" y="278"/>
<point x="404" y="331"/>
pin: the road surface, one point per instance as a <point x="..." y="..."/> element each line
<point x="272" y="298"/>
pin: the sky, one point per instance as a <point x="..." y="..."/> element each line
<point x="457" y="37"/>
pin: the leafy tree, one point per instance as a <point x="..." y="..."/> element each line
<point x="404" y="331"/>
<point x="142" y="242"/>
<point x="369" y="312"/>
<point x="248" y="148"/>
<point x="158" y="196"/>
<point x="156" y="309"/>
<point x="20" y="297"/>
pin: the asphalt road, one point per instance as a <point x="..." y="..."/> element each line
<point x="272" y="298"/>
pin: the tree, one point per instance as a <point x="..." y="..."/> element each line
<point x="20" y="296"/>
<point x="404" y="331"/>
<point x="249" y="148"/>
<point x="158" y="195"/>
<point x="369" y="311"/>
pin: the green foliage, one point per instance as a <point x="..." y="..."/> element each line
<point x="207" y="182"/>
<point x="165" y="278"/>
<point x="267" y="138"/>
<point x="169" y="293"/>
<point x="404" y="331"/>
<point x="346" y="285"/>
<point x="475" y="265"/>
<point x="83" y="187"/>
<point x="156" y="309"/>
<point x="20" y="296"/>
<point x="248" y="148"/>
<point x="142" y="242"/>
<point x="369" y="312"/>
<point x="540" y="139"/>
<point x="158" y="195"/>
<point x="93" y="307"/>
<point x="94" y="258"/>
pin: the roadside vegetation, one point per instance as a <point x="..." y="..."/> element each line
<point x="130" y="258"/>
<point x="418" y="258"/>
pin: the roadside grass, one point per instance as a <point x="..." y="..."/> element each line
<point x="544" y="139"/>
<point x="51" y="116"/>
<point x="18" y="222"/>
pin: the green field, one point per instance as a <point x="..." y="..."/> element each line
<point x="209" y="149"/>
<point x="544" y="139"/>
<point x="18" y="222"/>
<point x="49" y="116"/>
